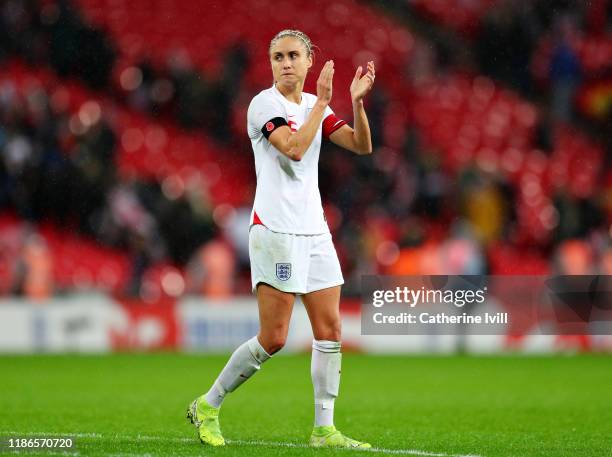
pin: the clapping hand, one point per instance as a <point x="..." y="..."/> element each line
<point x="361" y="85"/>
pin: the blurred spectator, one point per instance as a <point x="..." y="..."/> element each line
<point x="137" y="230"/>
<point x="211" y="271"/>
<point x="236" y="231"/>
<point x="33" y="268"/>
<point x="225" y="91"/>
<point x="577" y="217"/>
<point x="192" y="92"/>
<point x="77" y="48"/>
<point x="462" y="256"/>
<point x="38" y="265"/>
<point x="574" y="257"/>
<point x="94" y="160"/>
<point x="483" y="205"/>
<point x="506" y="42"/>
<point x="606" y="262"/>
<point x="565" y="71"/>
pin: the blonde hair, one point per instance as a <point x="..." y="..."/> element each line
<point x="295" y="34"/>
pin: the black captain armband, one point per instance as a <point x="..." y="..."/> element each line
<point x="272" y="125"/>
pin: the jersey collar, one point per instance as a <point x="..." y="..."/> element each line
<point x="278" y="92"/>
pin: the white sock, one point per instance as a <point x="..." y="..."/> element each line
<point x="244" y="363"/>
<point x="325" y="371"/>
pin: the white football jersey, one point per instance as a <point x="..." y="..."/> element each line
<point x="287" y="198"/>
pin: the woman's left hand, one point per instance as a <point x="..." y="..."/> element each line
<point x="361" y="85"/>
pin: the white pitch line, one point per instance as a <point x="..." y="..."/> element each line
<point x="416" y="452"/>
<point x="43" y="450"/>
<point x="128" y="455"/>
<point x="373" y="449"/>
<point x="152" y="438"/>
<point x="302" y="446"/>
<point x="67" y="434"/>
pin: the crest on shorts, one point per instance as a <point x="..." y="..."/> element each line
<point x="283" y="271"/>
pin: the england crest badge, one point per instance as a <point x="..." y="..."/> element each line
<point x="283" y="271"/>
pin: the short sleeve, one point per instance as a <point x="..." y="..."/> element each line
<point x="265" y="114"/>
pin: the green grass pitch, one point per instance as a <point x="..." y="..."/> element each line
<point x="493" y="406"/>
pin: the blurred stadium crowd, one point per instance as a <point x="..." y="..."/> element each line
<point x="125" y="164"/>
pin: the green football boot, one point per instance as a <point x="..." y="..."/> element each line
<point x="206" y="420"/>
<point x="328" y="436"/>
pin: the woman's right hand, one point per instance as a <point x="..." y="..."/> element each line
<point x="324" y="83"/>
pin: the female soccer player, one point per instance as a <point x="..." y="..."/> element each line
<point x="290" y="245"/>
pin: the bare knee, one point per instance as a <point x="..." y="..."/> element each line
<point x="273" y="342"/>
<point x="274" y="315"/>
<point x="329" y="331"/>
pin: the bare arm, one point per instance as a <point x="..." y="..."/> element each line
<point x="295" y="145"/>
<point x="358" y="138"/>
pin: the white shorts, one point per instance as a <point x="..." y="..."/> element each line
<point x="297" y="264"/>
